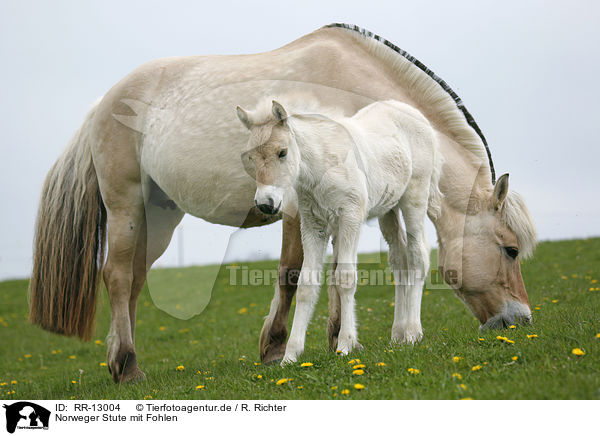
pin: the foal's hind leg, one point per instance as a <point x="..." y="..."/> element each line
<point x="274" y="332"/>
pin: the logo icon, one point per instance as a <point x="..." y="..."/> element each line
<point x="26" y="415"/>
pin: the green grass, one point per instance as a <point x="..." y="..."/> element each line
<point x="223" y="343"/>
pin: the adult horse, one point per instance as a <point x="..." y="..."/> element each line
<point x="165" y="141"/>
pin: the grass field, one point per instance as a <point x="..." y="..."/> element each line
<point x="219" y="348"/>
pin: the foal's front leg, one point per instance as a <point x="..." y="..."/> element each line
<point x="309" y="284"/>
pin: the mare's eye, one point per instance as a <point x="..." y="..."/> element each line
<point x="282" y="153"/>
<point x="511" y="252"/>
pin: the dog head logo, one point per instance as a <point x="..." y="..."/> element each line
<point x="26" y="415"/>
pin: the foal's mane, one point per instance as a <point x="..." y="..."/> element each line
<point x="428" y="89"/>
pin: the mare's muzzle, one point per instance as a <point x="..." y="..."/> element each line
<point x="513" y="312"/>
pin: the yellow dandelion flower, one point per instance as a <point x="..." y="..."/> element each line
<point x="476" y="368"/>
<point x="537" y="308"/>
<point x="103" y="364"/>
<point x="532" y="336"/>
<point x="514" y="358"/>
<point x="353" y="361"/>
<point x="457" y="375"/>
<point x="3" y="384"/>
<point x="338" y="351"/>
<point x="345" y="391"/>
<point x="512" y="326"/>
<point x="299" y="387"/>
<point x="256" y="363"/>
<point x="578" y="351"/>
<point x="200" y="387"/>
<point x="594" y="281"/>
<point x="162" y="328"/>
<point x="242" y="310"/>
<point x="383" y="363"/>
<point x="74" y="382"/>
<point x="555" y="301"/>
<point x="359" y="366"/>
<point x="333" y="388"/>
<point x="98" y="342"/>
<point x="358" y="386"/>
<point x="463" y="386"/>
<point x="241" y="359"/>
<point x="13" y="382"/>
<point x="282" y="381"/>
<point x="306" y="364"/>
<point x="598" y="335"/>
<point x="456" y="359"/>
<point x="481" y="339"/>
<point x="414" y="371"/>
<point x="147" y="397"/>
<point x="467" y="398"/>
<point x="27" y="356"/>
<point x="358" y="372"/>
<point x="54" y="351"/>
<point x="180" y="368"/>
<point x="72" y="356"/>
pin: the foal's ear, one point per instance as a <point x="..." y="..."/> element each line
<point x="500" y="191"/>
<point x="278" y="111"/>
<point x="243" y="116"/>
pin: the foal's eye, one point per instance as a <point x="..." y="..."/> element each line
<point x="282" y="153"/>
<point x="511" y="252"/>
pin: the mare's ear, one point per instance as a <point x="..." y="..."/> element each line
<point x="243" y="116"/>
<point x="279" y="112"/>
<point x="500" y="191"/>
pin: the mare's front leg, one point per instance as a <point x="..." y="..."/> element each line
<point x="274" y="331"/>
<point x="346" y="279"/>
<point x="309" y="284"/>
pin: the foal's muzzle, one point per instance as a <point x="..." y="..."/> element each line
<point x="268" y="208"/>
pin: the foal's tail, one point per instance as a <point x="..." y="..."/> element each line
<point x="434" y="208"/>
<point x="69" y="242"/>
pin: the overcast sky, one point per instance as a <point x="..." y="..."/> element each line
<point x="527" y="71"/>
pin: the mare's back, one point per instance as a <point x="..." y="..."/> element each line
<point x="386" y="118"/>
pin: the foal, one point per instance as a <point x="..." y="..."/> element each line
<point x="339" y="172"/>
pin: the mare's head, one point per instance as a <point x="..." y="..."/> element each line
<point x="483" y="262"/>
<point x="272" y="156"/>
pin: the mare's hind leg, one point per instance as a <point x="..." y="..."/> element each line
<point x="124" y="225"/>
<point x="160" y="221"/>
<point x="274" y="332"/>
<point x="333" y="325"/>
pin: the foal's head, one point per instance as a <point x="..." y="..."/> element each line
<point x="485" y="259"/>
<point x="272" y="157"/>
